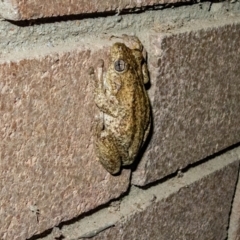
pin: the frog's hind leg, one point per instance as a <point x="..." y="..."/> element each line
<point x="108" y="154"/>
<point x="137" y="143"/>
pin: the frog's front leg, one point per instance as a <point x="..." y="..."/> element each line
<point x="106" y="104"/>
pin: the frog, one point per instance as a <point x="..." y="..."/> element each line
<point x="120" y="95"/>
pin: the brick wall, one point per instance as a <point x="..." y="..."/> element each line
<point x="184" y="185"/>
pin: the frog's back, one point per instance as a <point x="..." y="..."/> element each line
<point x="133" y="123"/>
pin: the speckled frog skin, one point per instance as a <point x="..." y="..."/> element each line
<point x="123" y="102"/>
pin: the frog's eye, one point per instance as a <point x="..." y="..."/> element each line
<point x="120" y="65"/>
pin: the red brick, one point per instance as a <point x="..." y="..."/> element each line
<point x="195" y="206"/>
<point x="46" y="140"/>
<point x="47" y="114"/>
<point x="195" y="95"/>
<point x="32" y="9"/>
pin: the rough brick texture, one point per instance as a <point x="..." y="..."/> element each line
<point x="199" y="211"/>
<point x="194" y="206"/>
<point x="234" y="227"/>
<point x="46" y="139"/>
<point x="32" y="9"/>
<point x="195" y="96"/>
<point x="49" y="173"/>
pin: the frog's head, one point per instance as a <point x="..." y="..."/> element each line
<point x="122" y="58"/>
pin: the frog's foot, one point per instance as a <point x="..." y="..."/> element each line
<point x="100" y="65"/>
<point x="99" y="75"/>
<point x="108" y="154"/>
<point x="96" y="73"/>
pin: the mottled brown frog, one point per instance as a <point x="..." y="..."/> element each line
<point x="122" y="99"/>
